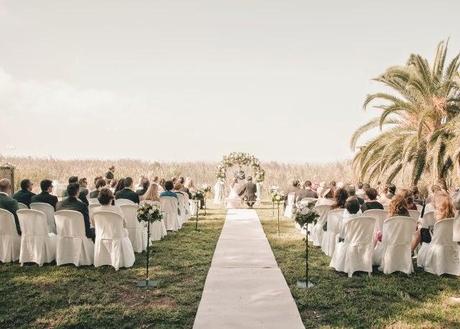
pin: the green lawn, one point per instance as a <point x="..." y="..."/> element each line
<point x="380" y="301"/>
<point x="86" y="297"/>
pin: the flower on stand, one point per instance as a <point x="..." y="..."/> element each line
<point x="278" y="197"/>
<point x="306" y="214"/>
<point x="149" y="213"/>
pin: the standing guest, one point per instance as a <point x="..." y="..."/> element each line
<point x="106" y="198"/>
<point x="83" y="194"/>
<point x="109" y="175"/>
<point x="143" y="186"/>
<point x="72" y="203"/>
<point x="120" y="186"/>
<point x="8" y="203"/>
<point x="45" y="196"/>
<point x="152" y="193"/>
<point x="306" y="192"/>
<point x="371" y="202"/>
<point x="127" y="192"/>
<point x="24" y="195"/>
<point x="169" y="185"/>
<point x="341" y="196"/>
<point x="99" y="185"/>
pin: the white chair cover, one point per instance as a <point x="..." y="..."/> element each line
<point x="360" y="246"/>
<point x="184" y="208"/>
<point x="157" y="229"/>
<point x="37" y="244"/>
<point x="112" y="246"/>
<point x="442" y="254"/>
<point x="93" y="201"/>
<point x="22" y="206"/>
<point x="10" y="241"/>
<point x="193" y="207"/>
<point x="394" y="252"/>
<point x="137" y="232"/>
<point x="334" y="218"/>
<point x="308" y="200"/>
<point x="379" y="215"/>
<point x="456" y="229"/>
<point x="72" y="245"/>
<point x="49" y="212"/>
<point x="317" y="230"/>
<point x="289" y="210"/>
<point x="415" y="214"/>
<point x="120" y="202"/>
<point x="170" y="205"/>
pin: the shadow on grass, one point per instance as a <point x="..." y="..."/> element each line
<point x="88" y="297"/>
<point x="396" y="300"/>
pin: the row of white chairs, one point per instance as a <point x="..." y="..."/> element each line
<point x="358" y="253"/>
<point x="117" y="238"/>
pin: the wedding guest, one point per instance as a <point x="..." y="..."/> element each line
<point x="398" y="206"/>
<point x="162" y="184"/>
<point x="409" y="199"/>
<point x="169" y="185"/>
<point x="120" y="186"/>
<point x="83" y="194"/>
<point x="189" y="185"/>
<point x="72" y="203"/>
<point x="185" y="188"/>
<point x="24" y="195"/>
<point x="360" y="193"/>
<point x="306" y="192"/>
<point x="340" y="198"/>
<point x="109" y="175"/>
<point x="99" y="185"/>
<point x="8" y="203"/>
<point x="327" y="198"/>
<point x="127" y="192"/>
<point x="321" y="188"/>
<point x="352" y="192"/>
<point x="45" y="196"/>
<point x="352" y="207"/>
<point x="106" y="198"/>
<point x="113" y="185"/>
<point x="152" y="193"/>
<point x="416" y="195"/>
<point x="371" y="202"/>
<point x="71" y="180"/>
<point x="388" y="192"/>
<point x="143" y="186"/>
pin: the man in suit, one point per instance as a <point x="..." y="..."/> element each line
<point x="72" y="203"/>
<point x="250" y="192"/>
<point x="83" y="193"/>
<point x="127" y="192"/>
<point x="24" y="195"/>
<point x="100" y="183"/>
<point x="8" y="203"/>
<point x="307" y="192"/>
<point x="45" y="196"/>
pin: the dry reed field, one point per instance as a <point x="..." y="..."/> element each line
<point x="279" y="174"/>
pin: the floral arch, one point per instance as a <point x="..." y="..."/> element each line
<point x="240" y="159"/>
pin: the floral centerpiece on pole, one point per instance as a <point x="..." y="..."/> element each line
<point x="148" y="214"/>
<point x="305" y="215"/>
<point x="278" y="197"/>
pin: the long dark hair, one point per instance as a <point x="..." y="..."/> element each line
<point x="341" y="196"/>
<point x="120" y="185"/>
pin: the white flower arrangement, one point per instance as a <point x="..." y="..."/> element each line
<point x="149" y="213"/>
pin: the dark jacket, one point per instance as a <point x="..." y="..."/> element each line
<point x="127" y="193"/>
<point x="141" y="191"/>
<point x="249" y="191"/>
<point x="83" y="195"/>
<point x="371" y="205"/>
<point x="24" y="196"/>
<point x="11" y="205"/>
<point x="45" y="197"/>
<point x="72" y="203"/>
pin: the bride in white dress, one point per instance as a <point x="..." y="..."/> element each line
<point x="234" y="199"/>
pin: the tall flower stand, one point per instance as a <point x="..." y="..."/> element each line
<point x="305" y="283"/>
<point x="278" y="206"/>
<point x="147" y="282"/>
<point x="197" y="214"/>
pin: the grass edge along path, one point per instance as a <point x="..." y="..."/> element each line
<point x="380" y="301"/>
<point x="88" y="297"/>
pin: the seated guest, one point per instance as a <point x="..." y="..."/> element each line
<point x="327" y="198"/>
<point x="106" y="198"/>
<point x="169" y="185"/>
<point x="151" y="194"/>
<point x="144" y="184"/>
<point x="352" y="207"/>
<point x="24" y="195"/>
<point x="306" y="192"/>
<point x="360" y="192"/>
<point x="162" y="184"/>
<point x="184" y="186"/>
<point x="45" y="196"/>
<point x="99" y="185"/>
<point x="416" y="195"/>
<point x="8" y="203"/>
<point x="127" y="192"/>
<point x="72" y="203"/>
<point x="371" y="202"/>
<point x="398" y="206"/>
<point x="72" y="180"/>
<point x="109" y="175"/>
<point x="119" y="186"/>
<point x="83" y="194"/>
<point x="409" y="199"/>
<point x="341" y="196"/>
<point x="113" y="185"/>
<point x="352" y="192"/>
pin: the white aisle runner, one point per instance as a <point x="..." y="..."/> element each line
<point x="244" y="287"/>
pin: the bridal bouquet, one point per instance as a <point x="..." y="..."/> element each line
<point x="306" y="214"/>
<point x="149" y="213"/>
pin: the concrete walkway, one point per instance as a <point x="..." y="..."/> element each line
<point x="244" y="287"/>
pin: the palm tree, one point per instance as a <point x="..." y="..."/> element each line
<point x="413" y="138"/>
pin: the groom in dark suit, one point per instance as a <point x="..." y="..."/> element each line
<point x="249" y="191"/>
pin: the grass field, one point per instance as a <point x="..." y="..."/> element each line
<point x="380" y="301"/>
<point x="86" y="297"/>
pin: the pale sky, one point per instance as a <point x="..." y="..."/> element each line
<point x="193" y="80"/>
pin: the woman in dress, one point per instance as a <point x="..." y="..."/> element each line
<point x="234" y="199"/>
<point x="152" y="194"/>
